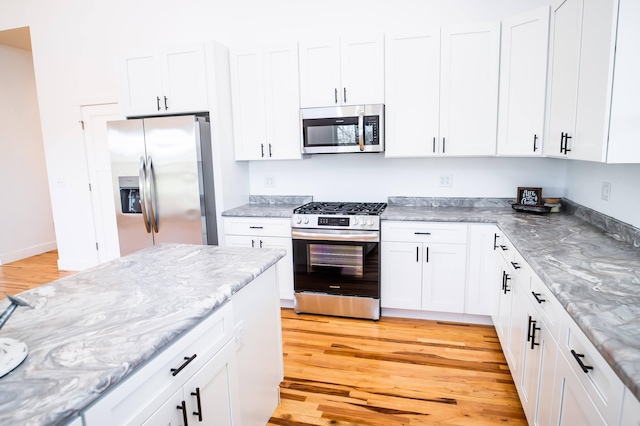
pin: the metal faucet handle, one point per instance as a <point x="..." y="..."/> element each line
<point x="17" y="301"/>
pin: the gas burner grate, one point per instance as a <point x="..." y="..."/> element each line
<point x="365" y="209"/>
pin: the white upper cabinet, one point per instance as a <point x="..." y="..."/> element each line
<point x="523" y="76"/>
<point x="265" y="98"/>
<point x="445" y="106"/>
<point x="592" y="99"/>
<point x="345" y="71"/>
<point x="469" y="89"/>
<point x="412" y="94"/>
<point x="167" y="81"/>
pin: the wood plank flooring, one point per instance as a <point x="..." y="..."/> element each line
<point x="393" y="372"/>
<point x="28" y="273"/>
<point x="341" y="371"/>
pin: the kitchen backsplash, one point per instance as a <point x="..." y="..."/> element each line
<point x="280" y="199"/>
<point x="450" y="202"/>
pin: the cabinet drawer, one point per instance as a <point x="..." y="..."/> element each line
<point x="546" y="305"/>
<point x="257" y="226"/>
<point x="427" y="232"/>
<point x="601" y="383"/>
<point x="137" y="396"/>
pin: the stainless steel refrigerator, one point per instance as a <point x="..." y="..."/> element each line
<point x="163" y="181"/>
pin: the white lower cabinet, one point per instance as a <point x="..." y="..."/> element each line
<point x="630" y="410"/>
<point x="481" y="267"/>
<point x="265" y="233"/>
<point x="423" y="266"/>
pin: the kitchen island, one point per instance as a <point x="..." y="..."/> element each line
<point x="89" y="332"/>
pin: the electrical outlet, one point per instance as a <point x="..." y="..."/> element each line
<point x="605" y="192"/>
<point x="239" y="335"/>
<point x="446" y="180"/>
<point x="270" y="181"/>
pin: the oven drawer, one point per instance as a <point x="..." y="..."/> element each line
<point x="429" y="232"/>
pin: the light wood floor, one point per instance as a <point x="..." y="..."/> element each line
<point x="25" y="274"/>
<point x="343" y="372"/>
<point x="393" y="372"/>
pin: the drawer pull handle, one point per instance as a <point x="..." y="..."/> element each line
<point x="537" y="296"/>
<point x="495" y="241"/>
<point x="175" y="371"/>
<point x="578" y="357"/>
<point x="417" y="254"/>
<point x="256" y="227"/>
<point x="183" y="407"/>
<point x="199" y="412"/>
<point x="504" y="248"/>
<point x="427" y="255"/>
<point x="260" y="243"/>
<point x="422" y="233"/>
<point x="506" y="278"/>
<point x="253" y="243"/>
<point x="515" y="265"/>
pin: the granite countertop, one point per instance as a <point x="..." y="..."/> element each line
<point x="89" y="330"/>
<point x="594" y="275"/>
<point x="269" y="206"/>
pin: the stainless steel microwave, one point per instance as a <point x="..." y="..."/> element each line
<point x="332" y="130"/>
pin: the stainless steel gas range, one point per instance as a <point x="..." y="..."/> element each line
<point x="336" y="259"/>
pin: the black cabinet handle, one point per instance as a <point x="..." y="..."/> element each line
<point x="269" y="150"/>
<point x="422" y="233"/>
<point x="504" y="248"/>
<point x="198" y="403"/>
<point x="506" y="287"/>
<point x="253" y="243"/>
<point x="495" y="241"/>
<point x="336" y="94"/>
<point x="515" y="265"/>
<point x="345" y="94"/>
<point x="443" y="144"/>
<point x="531" y="332"/>
<point x="417" y="254"/>
<point x="427" y="255"/>
<point x="529" y="328"/>
<point x="566" y="142"/>
<point x="537" y="296"/>
<point x="561" y="142"/>
<point x="578" y="357"/>
<point x="260" y="243"/>
<point x="183" y="407"/>
<point x="535" y="143"/>
<point x="158" y="102"/>
<point x="262" y="150"/>
<point x="165" y="103"/>
<point x="434" y="144"/>
<point x="256" y="227"/>
<point x="175" y="371"/>
<point x="504" y="281"/>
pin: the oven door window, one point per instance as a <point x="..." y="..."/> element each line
<point x="335" y="260"/>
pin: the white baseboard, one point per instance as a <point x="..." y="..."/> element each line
<point x="437" y="316"/>
<point x="27" y="252"/>
<point x="286" y="303"/>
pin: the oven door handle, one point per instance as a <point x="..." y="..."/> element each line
<point x="338" y="235"/>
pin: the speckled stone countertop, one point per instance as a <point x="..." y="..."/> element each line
<point x="594" y="275"/>
<point x="89" y="330"/>
<point x="269" y="206"/>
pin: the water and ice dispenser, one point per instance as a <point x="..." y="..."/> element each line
<point x="130" y="194"/>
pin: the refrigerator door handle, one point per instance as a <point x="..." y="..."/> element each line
<point x="142" y="185"/>
<point x="151" y="187"/>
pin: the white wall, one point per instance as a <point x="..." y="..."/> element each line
<point x="584" y="186"/>
<point x="26" y="228"/>
<point x="371" y="177"/>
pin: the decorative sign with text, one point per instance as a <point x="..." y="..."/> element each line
<point x="530" y="196"/>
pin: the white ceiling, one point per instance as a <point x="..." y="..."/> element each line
<point x="18" y="37"/>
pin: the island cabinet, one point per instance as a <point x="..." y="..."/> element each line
<point x="265" y="233"/>
<point x="523" y="77"/>
<point x="196" y="373"/>
<point x="265" y="100"/>
<point x="423" y="266"/>
<point x="446" y="82"/>
<point x="630" y="410"/>
<point x="342" y="71"/>
<point x="171" y="80"/>
<point x="593" y="88"/>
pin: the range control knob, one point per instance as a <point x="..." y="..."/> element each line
<point x="306" y="220"/>
<point x="298" y="219"/>
<point x="370" y="222"/>
<point x="355" y="221"/>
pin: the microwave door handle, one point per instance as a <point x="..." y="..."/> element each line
<point x="361" y="130"/>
